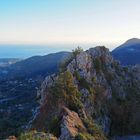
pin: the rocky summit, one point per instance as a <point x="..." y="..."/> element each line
<point x="91" y="98"/>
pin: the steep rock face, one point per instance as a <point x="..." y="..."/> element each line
<point x="82" y="63"/>
<point x="101" y="92"/>
<point x="101" y="52"/>
<point x="71" y="124"/>
<point x="47" y="83"/>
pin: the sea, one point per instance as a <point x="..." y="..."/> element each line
<point x="25" y="51"/>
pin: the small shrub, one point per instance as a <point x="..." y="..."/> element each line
<point x="109" y="77"/>
<point x="84" y="136"/>
<point x="77" y="51"/>
<point x="98" y="65"/>
<point x="94" y="129"/>
<point x="93" y="79"/>
<point x="30" y="136"/>
<point x="63" y="65"/>
<point x="83" y="83"/>
<point x="77" y="75"/>
<point x="54" y="126"/>
<point x="125" y="69"/>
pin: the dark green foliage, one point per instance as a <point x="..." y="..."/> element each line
<point x="65" y="91"/>
<point x="103" y="48"/>
<point x="84" y="136"/>
<point x="33" y="135"/>
<point x="83" y="83"/>
<point x="100" y="102"/>
<point x="116" y="66"/>
<point x="63" y="64"/>
<point x="125" y="113"/>
<point x="98" y="64"/>
<point x="109" y="77"/>
<point x="125" y="69"/>
<point x="12" y="117"/>
<point x="93" y="80"/>
<point x="77" y="51"/>
<point x="53" y="126"/>
<point x="94" y="129"/>
<point x="77" y="75"/>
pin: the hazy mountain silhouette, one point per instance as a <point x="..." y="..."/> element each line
<point x="36" y="65"/>
<point x="128" y="53"/>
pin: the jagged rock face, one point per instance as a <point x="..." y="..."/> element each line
<point x="70" y="124"/>
<point x="48" y="82"/>
<point x="82" y="63"/>
<point x="85" y="67"/>
<point x="101" y="52"/>
<point x="101" y="81"/>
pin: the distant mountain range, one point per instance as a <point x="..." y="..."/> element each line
<point x="36" y="65"/>
<point x="128" y="53"/>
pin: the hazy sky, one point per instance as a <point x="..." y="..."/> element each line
<point x="68" y="21"/>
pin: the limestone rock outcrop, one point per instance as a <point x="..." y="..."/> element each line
<point x="11" y="138"/>
<point x="104" y="88"/>
<point x="71" y="124"/>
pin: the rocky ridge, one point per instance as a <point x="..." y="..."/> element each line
<point x="91" y="98"/>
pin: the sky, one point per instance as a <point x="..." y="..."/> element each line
<point x="68" y="21"/>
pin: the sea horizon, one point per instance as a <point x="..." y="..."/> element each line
<point x="24" y="51"/>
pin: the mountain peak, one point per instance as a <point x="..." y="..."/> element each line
<point x="128" y="53"/>
<point x="133" y="41"/>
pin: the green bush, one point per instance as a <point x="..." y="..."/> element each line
<point x="84" y="136"/>
<point x="93" y="79"/>
<point x="30" y="136"/>
<point x="94" y="129"/>
<point x="83" y="83"/>
<point x="77" y="75"/>
<point x="98" y="65"/>
<point x="54" y="126"/>
<point x="63" y="65"/>
<point x="65" y="91"/>
<point x="77" y="51"/>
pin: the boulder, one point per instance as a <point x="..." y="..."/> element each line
<point x="11" y="138"/>
<point x="71" y="124"/>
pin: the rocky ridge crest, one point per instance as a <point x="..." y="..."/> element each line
<point x="82" y="101"/>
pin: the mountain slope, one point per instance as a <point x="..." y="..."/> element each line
<point x="36" y="65"/>
<point x="92" y="98"/>
<point x="128" y="53"/>
<point x="18" y="90"/>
